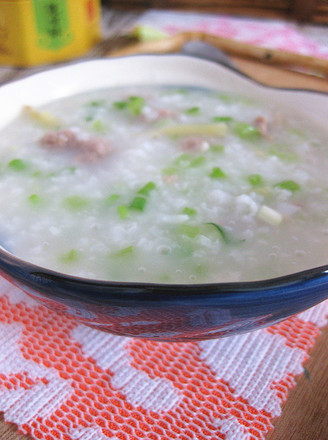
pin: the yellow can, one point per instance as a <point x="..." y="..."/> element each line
<point x="45" y="31"/>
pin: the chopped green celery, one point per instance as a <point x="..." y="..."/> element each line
<point x="286" y="156"/>
<point x="217" y="148"/>
<point x="135" y="105"/>
<point x="289" y="185"/>
<point x="70" y="257"/>
<point x="122" y="211"/>
<point x="170" y="171"/>
<point x="35" y="199"/>
<point x="75" y="203"/>
<point x="189" y="230"/>
<point x="99" y="103"/>
<point x="123" y="252"/>
<point x="246" y="131"/>
<point x="111" y="199"/>
<point x="99" y="126"/>
<point x="138" y="203"/>
<point x="217" y="173"/>
<point x="224" y="235"/>
<point x="120" y="105"/>
<point x="146" y="189"/>
<point x="255" y="179"/>
<point x="17" y="165"/>
<point x="147" y="33"/>
<point x="222" y="119"/>
<point x="193" y="111"/>
<point x="215" y="129"/>
<point x="189" y="211"/>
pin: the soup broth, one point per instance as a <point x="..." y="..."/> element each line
<point x="165" y="185"/>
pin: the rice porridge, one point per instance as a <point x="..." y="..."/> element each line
<point x="164" y="184"/>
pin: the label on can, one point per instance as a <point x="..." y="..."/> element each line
<point x="4" y="35"/>
<point x="52" y="24"/>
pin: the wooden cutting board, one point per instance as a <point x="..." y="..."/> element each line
<point x="305" y="413"/>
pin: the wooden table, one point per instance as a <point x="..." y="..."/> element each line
<point x="305" y="414"/>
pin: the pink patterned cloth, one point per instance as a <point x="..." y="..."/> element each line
<point x="60" y="380"/>
<point x="267" y="33"/>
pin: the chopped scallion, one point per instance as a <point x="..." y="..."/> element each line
<point x="75" y="203"/>
<point x="123" y="252"/>
<point x="246" y="131"/>
<point x="189" y="230"/>
<point x="135" y="105"/>
<point x="224" y="235"/>
<point x="138" y="203"/>
<point x="289" y="185"/>
<point x="227" y="98"/>
<point x="98" y="126"/>
<point x="17" y="165"/>
<point x="35" y="199"/>
<point x="222" y="119"/>
<point x="193" y="111"/>
<point x="169" y="171"/>
<point x="286" y="156"/>
<point x="111" y="199"/>
<point x="120" y="105"/>
<point x="217" y="148"/>
<point x="255" y="179"/>
<point x="38" y="173"/>
<point x="99" y="103"/>
<point x="70" y="257"/>
<point x="122" y="211"/>
<point x="197" y="161"/>
<point x="145" y="190"/>
<point x="184" y="160"/>
<point x="217" y="173"/>
<point x="189" y="211"/>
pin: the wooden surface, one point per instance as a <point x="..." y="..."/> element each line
<point x="305" y="414"/>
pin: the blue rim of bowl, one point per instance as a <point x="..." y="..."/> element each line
<point x="271" y="284"/>
<point x="23" y="269"/>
